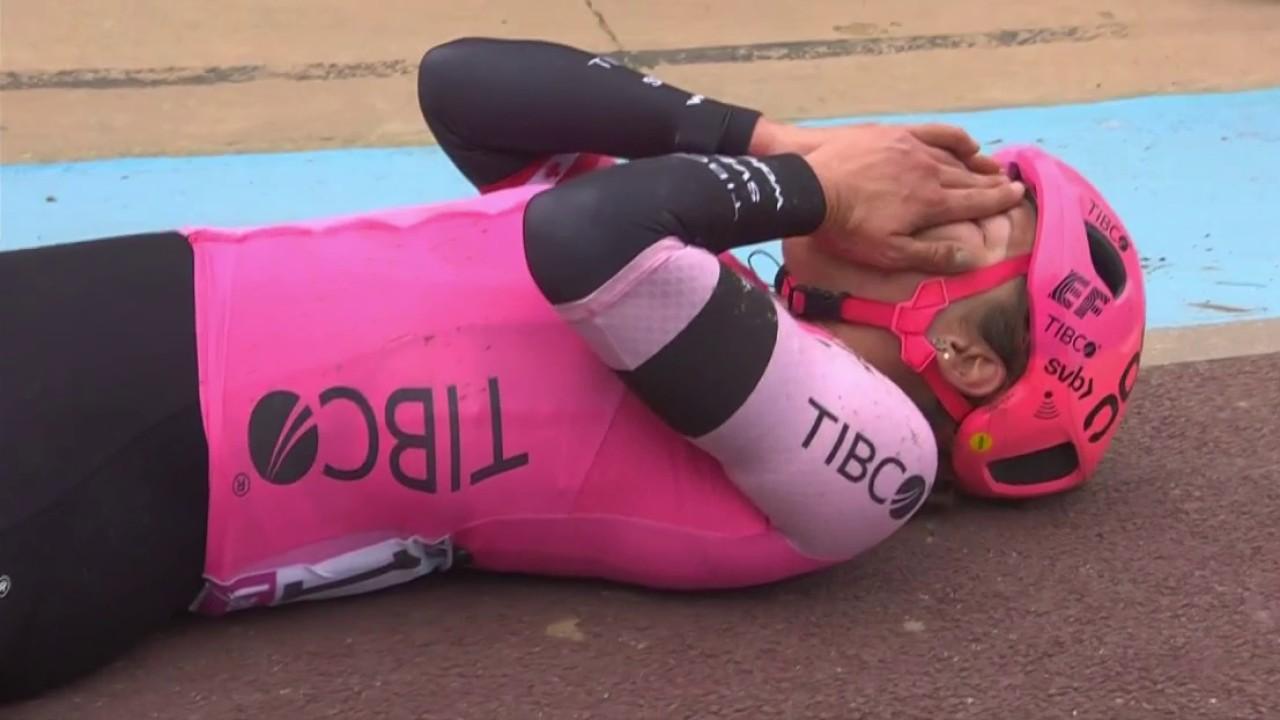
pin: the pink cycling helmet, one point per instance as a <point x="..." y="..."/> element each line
<point x="1048" y="432"/>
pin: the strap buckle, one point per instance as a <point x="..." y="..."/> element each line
<point x="816" y="303"/>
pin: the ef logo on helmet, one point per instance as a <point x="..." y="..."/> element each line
<point x="1075" y="293"/>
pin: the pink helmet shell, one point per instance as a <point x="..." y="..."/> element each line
<point x="1088" y="318"/>
<point x="1048" y="432"/>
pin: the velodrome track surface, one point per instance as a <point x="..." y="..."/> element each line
<point x="1152" y="593"/>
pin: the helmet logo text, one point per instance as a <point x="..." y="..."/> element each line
<point x="1075" y="293"/>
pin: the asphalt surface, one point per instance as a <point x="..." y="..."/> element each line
<point x="1152" y="593"/>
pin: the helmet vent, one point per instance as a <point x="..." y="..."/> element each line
<point x="1041" y="466"/>
<point x="1107" y="262"/>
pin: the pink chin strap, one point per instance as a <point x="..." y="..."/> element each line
<point x="909" y="320"/>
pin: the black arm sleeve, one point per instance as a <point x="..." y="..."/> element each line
<point x="497" y="106"/>
<point x="582" y="233"/>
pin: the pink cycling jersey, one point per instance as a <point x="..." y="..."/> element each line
<point x="379" y="390"/>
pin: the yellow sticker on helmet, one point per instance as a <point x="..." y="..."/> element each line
<point x="980" y="442"/>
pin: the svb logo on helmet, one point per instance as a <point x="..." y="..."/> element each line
<point x="284" y="437"/>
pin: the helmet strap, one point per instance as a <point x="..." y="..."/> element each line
<point x="909" y="320"/>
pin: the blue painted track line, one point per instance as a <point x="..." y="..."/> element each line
<point x="1196" y="177"/>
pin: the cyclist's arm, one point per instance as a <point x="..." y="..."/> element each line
<point x="831" y="450"/>
<point x="510" y="111"/>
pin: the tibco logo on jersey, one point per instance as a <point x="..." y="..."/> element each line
<point x="284" y="437"/>
<point x="861" y="460"/>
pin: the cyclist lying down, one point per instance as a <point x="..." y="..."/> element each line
<point x="568" y="375"/>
